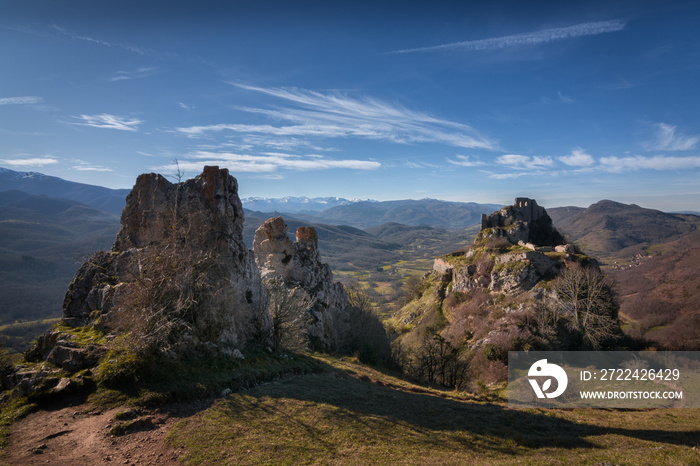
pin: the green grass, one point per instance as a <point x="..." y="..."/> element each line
<point x="10" y="412"/>
<point x="356" y="415"/>
<point x="657" y="249"/>
<point x="127" y="378"/>
<point x="83" y="336"/>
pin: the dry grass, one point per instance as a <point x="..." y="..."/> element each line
<point x="352" y="414"/>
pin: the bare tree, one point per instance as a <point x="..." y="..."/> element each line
<point x="369" y="338"/>
<point x="179" y="174"/>
<point x="288" y="314"/>
<point x="587" y="299"/>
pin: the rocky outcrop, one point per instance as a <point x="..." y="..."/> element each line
<point x="515" y="249"/>
<point x="298" y="265"/>
<point x="185" y="239"/>
<point x="523" y="221"/>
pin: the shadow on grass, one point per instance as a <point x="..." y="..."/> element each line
<point x="381" y="412"/>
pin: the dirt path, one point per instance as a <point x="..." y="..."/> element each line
<point x="87" y="435"/>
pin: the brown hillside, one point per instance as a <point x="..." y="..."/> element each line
<point x="660" y="295"/>
<point x="607" y="228"/>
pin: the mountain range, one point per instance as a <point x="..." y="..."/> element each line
<point x="47" y="224"/>
<point x="292" y="204"/>
<point x="108" y="200"/>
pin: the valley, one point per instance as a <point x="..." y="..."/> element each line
<point x="207" y="404"/>
<point x="44" y="239"/>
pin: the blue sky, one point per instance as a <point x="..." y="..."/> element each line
<point x="566" y="102"/>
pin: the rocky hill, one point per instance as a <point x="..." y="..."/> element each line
<point x="179" y="283"/>
<point x="511" y="290"/>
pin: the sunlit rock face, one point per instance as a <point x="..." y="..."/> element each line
<point x="298" y="265"/>
<point x="193" y="228"/>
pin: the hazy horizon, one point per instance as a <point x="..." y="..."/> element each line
<point x="358" y="199"/>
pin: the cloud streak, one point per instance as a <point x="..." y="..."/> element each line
<point x="465" y="161"/>
<point x="666" y="138"/>
<point x="26" y="100"/>
<point x="524" y="162"/>
<point x="268" y="163"/>
<point x="137" y="74"/>
<point x="131" y="48"/>
<point x="527" y="38"/>
<point x="314" y="114"/>
<point x="30" y="162"/>
<point x="657" y="162"/>
<point x="107" y="121"/>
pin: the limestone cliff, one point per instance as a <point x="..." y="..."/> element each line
<point x="515" y="249"/>
<point x="185" y="239"/>
<point x="298" y="266"/>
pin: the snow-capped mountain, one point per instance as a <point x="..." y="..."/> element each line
<point x="295" y="204"/>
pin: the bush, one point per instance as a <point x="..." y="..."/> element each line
<point x="413" y="289"/>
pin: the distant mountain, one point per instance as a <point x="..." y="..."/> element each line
<point x="342" y="247"/>
<point x="606" y="227"/>
<point x="41" y="241"/>
<point x="293" y="204"/>
<point x="423" y="212"/>
<point x="105" y="199"/>
<point x="559" y="214"/>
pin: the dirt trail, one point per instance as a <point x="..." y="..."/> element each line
<point x="85" y="435"/>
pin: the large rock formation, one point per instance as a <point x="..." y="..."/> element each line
<point x="523" y="221"/>
<point x="180" y="247"/>
<point x="515" y="288"/>
<point x="180" y="281"/>
<point x="515" y="249"/>
<point x="298" y="266"/>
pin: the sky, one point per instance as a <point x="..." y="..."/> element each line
<point x="565" y="102"/>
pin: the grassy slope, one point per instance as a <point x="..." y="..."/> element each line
<point x="353" y="414"/>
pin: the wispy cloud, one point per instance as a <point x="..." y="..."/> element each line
<point x="527" y="38"/>
<point x="509" y="176"/>
<point x="72" y="35"/>
<point x="26" y="100"/>
<point x="564" y="99"/>
<point x="578" y="158"/>
<point x="267" y="163"/>
<point x="524" y="162"/>
<point x="657" y="162"/>
<point x="186" y="107"/>
<point x="313" y="114"/>
<point x="87" y="168"/>
<point x="666" y="138"/>
<point x="30" y="162"/>
<point x="465" y="161"/>
<point x="105" y="120"/>
<point x="136" y="74"/>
